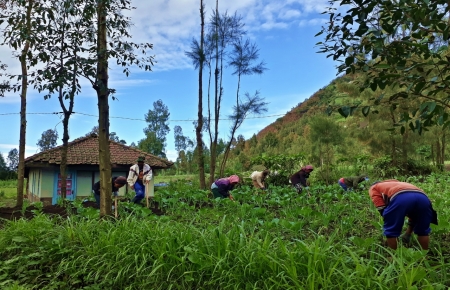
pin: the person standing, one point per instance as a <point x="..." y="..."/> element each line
<point x="298" y="179"/>
<point x="396" y="200"/>
<point x="258" y="178"/>
<point x="138" y="178"/>
<point x="352" y="181"/>
<point x="222" y="186"/>
<point x="117" y="183"/>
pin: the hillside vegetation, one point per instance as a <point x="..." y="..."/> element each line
<point x="317" y="131"/>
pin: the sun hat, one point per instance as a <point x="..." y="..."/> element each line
<point x="233" y="178"/>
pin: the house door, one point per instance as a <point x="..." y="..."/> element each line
<point x="70" y="188"/>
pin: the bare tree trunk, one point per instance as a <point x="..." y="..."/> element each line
<point x="103" y="112"/>
<point x="438" y="153"/>
<point x="198" y="130"/>
<point x="393" y="145"/>
<point x="405" y="149"/>
<point x="433" y="159"/>
<point x="212" y="168"/>
<point x="23" y="111"/>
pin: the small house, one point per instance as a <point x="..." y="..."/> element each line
<point x="43" y="169"/>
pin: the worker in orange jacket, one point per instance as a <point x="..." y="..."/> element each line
<point x="396" y="200"/>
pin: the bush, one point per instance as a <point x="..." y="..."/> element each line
<point x="385" y="167"/>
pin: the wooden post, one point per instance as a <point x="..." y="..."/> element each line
<point x="115" y="207"/>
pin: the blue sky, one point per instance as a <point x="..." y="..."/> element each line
<point x="283" y="30"/>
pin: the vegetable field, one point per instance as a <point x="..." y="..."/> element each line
<point x="277" y="239"/>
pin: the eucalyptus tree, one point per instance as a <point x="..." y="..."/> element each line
<point x="13" y="159"/>
<point x="156" y="130"/>
<point x="82" y="37"/>
<point x="397" y="43"/>
<point x="21" y="20"/>
<point x="49" y="139"/>
<point x="107" y="39"/>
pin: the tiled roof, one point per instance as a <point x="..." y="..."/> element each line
<point x="84" y="151"/>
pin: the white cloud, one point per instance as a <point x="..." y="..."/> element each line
<point x="289" y="14"/>
<point x="29" y="150"/>
<point x="172" y="155"/>
<point x="312" y="22"/>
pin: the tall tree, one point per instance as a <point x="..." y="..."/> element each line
<point x="48" y="140"/>
<point x="157" y="128"/>
<point x="112" y="136"/>
<point x="225" y="29"/>
<point x="197" y="54"/>
<point x="152" y="145"/>
<point x="105" y="40"/>
<point x="181" y="142"/>
<point x="198" y="129"/>
<point x="3" y="166"/>
<point x="13" y="159"/>
<point x="242" y="59"/>
<point x="397" y="43"/>
<point x="251" y="105"/>
<point x="21" y="23"/>
<point x="325" y="134"/>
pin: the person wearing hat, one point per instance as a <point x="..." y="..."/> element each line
<point x="222" y="186"/>
<point x="396" y="200"/>
<point x="117" y="182"/>
<point x="298" y="179"/>
<point x="352" y="181"/>
<point x="139" y="176"/>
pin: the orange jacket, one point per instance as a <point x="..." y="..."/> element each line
<point x="383" y="192"/>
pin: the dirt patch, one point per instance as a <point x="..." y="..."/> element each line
<point x="15" y="213"/>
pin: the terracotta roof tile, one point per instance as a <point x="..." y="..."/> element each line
<point x="85" y="151"/>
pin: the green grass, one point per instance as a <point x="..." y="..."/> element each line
<point x="172" y="178"/>
<point x="278" y="240"/>
<point x="8" y="192"/>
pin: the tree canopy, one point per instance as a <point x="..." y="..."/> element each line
<point x="402" y="44"/>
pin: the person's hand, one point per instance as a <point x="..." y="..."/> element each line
<point x="405" y="238"/>
<point x="132" y="187"/>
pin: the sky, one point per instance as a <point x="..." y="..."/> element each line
<point x="283" y="30"/>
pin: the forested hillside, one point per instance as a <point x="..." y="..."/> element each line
<point x="370" y="135"/>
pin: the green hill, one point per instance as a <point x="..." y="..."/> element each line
<point x="316" y="130"/>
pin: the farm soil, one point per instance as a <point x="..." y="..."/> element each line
<point x="15" y="213"/>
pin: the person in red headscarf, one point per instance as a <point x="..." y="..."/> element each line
<point x="222" y="186"/>
<point x="298" y="179"/>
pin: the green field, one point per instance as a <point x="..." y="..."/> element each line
<point x="278" y="240"/>
<point x="8" y="192"/>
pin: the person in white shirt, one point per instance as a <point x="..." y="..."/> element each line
<point x="258" y="178"/>
<point x="139" y="176"/>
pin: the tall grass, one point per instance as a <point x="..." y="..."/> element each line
<point x="272" y="241"/>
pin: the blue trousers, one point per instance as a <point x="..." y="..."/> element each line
<point x="414" y="205"/>
<point x="140" y="193"/>
<point x="344" y="187"/>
